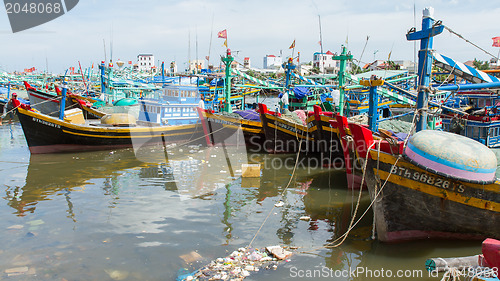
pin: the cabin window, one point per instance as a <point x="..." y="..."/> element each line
<point x="475" y="132"/>
<point x="497" y="131"/>
<point x="483" y="133"/>
<point x="158" y="110"/>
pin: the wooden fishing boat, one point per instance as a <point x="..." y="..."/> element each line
<point x="284" y="134"/>
<point x="48" y="103"/>
<point x="219" y="127"/>
<point x="352" y="162"/>
<point x="441" y="186"/>
<point x="47" y="134"/>
<point x="483" y="121"/>
<point x="45" y="102"/>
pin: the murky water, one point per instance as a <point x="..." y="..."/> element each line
<point x="109" y="216"/>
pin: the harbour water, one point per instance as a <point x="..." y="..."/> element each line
<point x="111" y="216"/>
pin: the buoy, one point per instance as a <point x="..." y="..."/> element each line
<point x="452" y="155"/>
<point x="118" y="119"/>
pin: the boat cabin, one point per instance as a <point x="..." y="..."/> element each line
<point x="172" y="105"/>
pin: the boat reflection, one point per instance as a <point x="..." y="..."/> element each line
<point x="61" y="174"/>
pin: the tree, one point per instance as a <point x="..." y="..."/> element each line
<point x="392" y="65"/>
<point x="356" y="69"/>
<point x="480" y="65"/>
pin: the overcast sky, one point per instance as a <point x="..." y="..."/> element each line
<point x="255" y="28"/>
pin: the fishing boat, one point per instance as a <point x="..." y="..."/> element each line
<point x="49" y="103"/>
<point x="45" y="102"/>
<point x="482" y="123"/>
<point x="48" y="134"/>
<point x="227" y="116"/>
<point x="442" y="186"/>
<point x="219" y="127"/>
<point x="286" y="133"/>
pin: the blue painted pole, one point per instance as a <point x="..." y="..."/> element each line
<point x="373" y="109"/>
<point x="63" y="100"/>
<point x="288" y="67"/>
<point x="163" y="74"/>
<point x="424" y="72"/>
<point x="424" y="62"/>
<point x="103" y="73"/>
<point x="373" y="98"/>
<point x="8" y="91"/>
<point x="469" y="86"/>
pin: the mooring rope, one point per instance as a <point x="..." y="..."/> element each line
<point x="280" y="197"/>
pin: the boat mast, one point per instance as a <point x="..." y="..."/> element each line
<point x="228" y="60"/>
<point x="429" y="30"/>
<point x="286" y="95"/>
<point x="343" y="58"/>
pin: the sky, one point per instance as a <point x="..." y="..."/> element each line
<point x="187" y="29"/>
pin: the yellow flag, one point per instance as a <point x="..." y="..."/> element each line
<point x="225" y="43"/>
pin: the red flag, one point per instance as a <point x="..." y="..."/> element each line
<point x="496" y="41"/>
<point x="207" y="57"/>
<point x="293" y="45"/>
<point x="222" y="34"/>
<point x="129" y="62"/>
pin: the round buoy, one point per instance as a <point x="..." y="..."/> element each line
<point x="118" y="119"/>
<point x="452" y="155"/>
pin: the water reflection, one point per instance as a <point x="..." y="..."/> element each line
<point x="61" y="174"/>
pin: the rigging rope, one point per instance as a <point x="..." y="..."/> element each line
<point x="468" y="41"/>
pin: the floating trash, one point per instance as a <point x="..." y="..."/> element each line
<point x="279" y="204"/>
<point x="239" y="264"/>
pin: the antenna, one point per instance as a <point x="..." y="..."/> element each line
<point x="196" y="64"/>
<point x="210" y="45"/>
<point x="321" y="42"/>
<point x="189" y="50"/>
<point x="104" y="42"/>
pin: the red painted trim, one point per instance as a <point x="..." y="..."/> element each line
<point x="204" y="124"/>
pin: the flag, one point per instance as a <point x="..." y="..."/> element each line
<point x="225" y="43"/>
<point x="293" y="45"/>
<point x="496" y="41"/>
<point x="129" y="62"/>
<point x="207" y="57"/>
<point x="389" y="57"/>
<point x="222" y="34"/>
<point x="298" y="57"/>
<point x="319" y="42"/>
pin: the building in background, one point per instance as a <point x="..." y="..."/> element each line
<point x="145" y="62"/>
<point x="246" y="63"/>
<point x="272" y="62"/>
<point x="196" y="65"/>
<point x="324" y="62"/>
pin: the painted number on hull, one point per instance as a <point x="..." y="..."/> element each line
<point x="427" y="179"/>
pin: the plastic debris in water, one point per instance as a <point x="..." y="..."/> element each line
<point x="279" y="204"/>
<point x="239" y="264"/>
